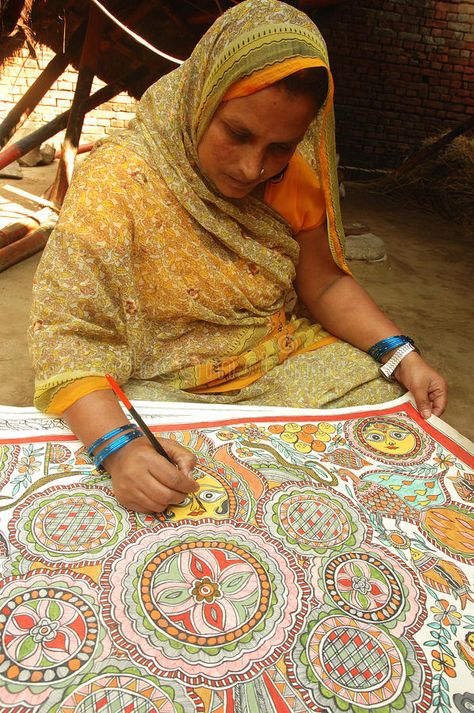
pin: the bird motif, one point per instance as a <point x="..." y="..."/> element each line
<point x="346" y="458"/>
<point x="450" y="526"/>
<point x="464" y="485"/>
<point x="466" y="649"/>
<point x="441" y="575"/>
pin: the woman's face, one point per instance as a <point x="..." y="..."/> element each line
<point x="249" y="133"/>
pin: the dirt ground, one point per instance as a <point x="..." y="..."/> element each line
<point x="425" y="285"/>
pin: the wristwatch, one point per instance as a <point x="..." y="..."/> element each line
<point x="389" y="367"/>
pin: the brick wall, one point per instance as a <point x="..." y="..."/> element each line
<point x="20" y="72"/>
<point x="404" y="71"/>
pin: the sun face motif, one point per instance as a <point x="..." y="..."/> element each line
<point x="211" y="500"/>
<point x="389" y="439"/>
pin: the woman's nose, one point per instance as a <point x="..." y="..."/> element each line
<point x="250" y="165"/>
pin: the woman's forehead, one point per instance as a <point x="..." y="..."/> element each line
<point x="271" y="111"/>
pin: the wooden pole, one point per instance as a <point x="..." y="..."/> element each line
<point x="23" y="108"/>
<point x="87" y="70"/>
<point x="34" y="241"/>
<point x="83" y="148"/>
<point x="14" y="231"/>
<point x="36" y="138"/>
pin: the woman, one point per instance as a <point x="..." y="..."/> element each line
<point x="189" y="247"/>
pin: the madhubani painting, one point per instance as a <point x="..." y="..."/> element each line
<point x="326" y="564"/>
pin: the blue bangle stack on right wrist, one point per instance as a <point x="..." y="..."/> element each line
<point x="115" y="439"/>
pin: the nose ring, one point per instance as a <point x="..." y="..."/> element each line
<point x="262" y="171"/>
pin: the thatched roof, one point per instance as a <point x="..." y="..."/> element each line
<point x="174" y="26"/>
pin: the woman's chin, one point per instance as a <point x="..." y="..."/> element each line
<point x="231" y="188"/>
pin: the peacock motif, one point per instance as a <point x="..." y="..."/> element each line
<point x="450" y="526"/>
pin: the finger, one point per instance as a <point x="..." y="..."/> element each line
<point x="145" y="501"/>
<point x="439" y="398"/>
<point x="184" y="459"/>
<point x="148" y="495"/>
<point x="157" y="491"/>
<point x="423" y="402"/>
<point x="180" y="477"/>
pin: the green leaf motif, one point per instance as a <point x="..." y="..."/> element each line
<point x="54" y="611"/>
<point x="26" y="648"/>
<point x="173" y="596"/>
<point x="235" y="583"/>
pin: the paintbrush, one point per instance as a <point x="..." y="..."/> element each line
<point x="137" y="418"/>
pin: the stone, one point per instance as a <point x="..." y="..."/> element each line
<point x="13" y="170"/>
<point x="32" y="158"/>
<point x="367" y="247"/>
<point x="356" y="229"/>
<point x="48" y="154"/>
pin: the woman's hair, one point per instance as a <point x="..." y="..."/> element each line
<point x="311" y="82"/>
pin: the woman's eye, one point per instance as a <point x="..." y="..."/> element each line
<point x="281" y="148"/>
<point x="397" y="435"/>
<point x="236" y="135"/>
<point x="375" y="437"/>
<point x="209" y="496"/>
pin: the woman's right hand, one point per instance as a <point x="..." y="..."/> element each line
<point x="144" y="481"/>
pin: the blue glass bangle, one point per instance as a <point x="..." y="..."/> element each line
<point x="378" y="350"/>
<point x="107" y="436"/>
<point x="116" y="445"/>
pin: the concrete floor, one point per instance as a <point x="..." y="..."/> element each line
<point x="425" y="285"/>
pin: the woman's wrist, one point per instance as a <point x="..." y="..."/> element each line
<point x="407" y="362"/>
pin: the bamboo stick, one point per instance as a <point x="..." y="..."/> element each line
<point x="30" y="196"/>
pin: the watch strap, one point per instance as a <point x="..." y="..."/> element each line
<point x="389" y="367"/>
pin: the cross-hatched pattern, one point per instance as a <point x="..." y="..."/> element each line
<point x="354" y="659"/>
<point x="72" y="523"/>
<point x="115" y="701"/>
<point x="314" y="521"/>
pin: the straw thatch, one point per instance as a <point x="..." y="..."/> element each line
<point x="444" y="183"/>
<point x="172" y="26"/>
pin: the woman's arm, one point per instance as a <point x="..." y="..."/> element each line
<point x="344" y="308"/>
<point x="142" y="479"/>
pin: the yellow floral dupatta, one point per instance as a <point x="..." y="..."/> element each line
<point x="150" y="274"/>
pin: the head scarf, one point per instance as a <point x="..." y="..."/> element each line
<point x="175" y="111"/>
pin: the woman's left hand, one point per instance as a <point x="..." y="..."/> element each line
<point x="427" y="386"/>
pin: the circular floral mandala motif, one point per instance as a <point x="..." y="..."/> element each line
<point x="77" y="525"/>
<point x="49" y="629"/>
<point x="310" y="520"/>
<point x="214" y="578"/>
<point x="390" y="439"/>
<point x="211" y="600"/>
<point x="363" y="586"/>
